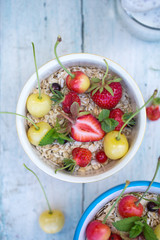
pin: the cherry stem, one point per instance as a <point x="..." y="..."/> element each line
<point x="105" y="75"/>
<point x="134" y="114"/>
<point x="157" y="168"/>
<point x="17" y="114"/>
<point x="59" y="39"/>
<point x="34" y="54"/>
<point x="126" y="185"/>
<point x="50" y="210"/>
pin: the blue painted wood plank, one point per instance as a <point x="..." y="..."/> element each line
<point x="111" y="39"/>
<point x="21" y="200"/>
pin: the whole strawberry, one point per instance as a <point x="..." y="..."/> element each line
<point x="66" y="100"/>
<point x="118" y="115"/>
<point x="81" y="157"/>
<point x="106" y="93"/>
<point x="153" y="111"/>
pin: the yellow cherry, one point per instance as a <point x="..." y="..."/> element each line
<point x="157" y="231"/>
<point x="35" y="135"/>
<point x="113" y="148"/>
<point x="38" y="107"/>
<point x="51" y="222"/>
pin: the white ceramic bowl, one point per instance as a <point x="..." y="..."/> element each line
<point x="96" y="205"/>
<point x="82" y="59"/>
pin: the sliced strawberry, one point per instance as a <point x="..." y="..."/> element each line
<point x="153" y="112"/>
<point x="70" y="98"/>
<point x="82" y="156"/>
<point x="87" y="129"/>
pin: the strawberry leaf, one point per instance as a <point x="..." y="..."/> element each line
<point x="126" y="116"/>
<point x="149" y="233"/>
<point x="74" y="109"/>
<point x="57" y="96"/>
<point x="92" y="88"/>
<point x="95" y="80"/>
<point x="95" y="90"/>
<point x="101" y="89"/>
<point x="125" y="224"/>
<point x="83" y="113"/>
<point x="114" y="80"/>
<point x="103" y="114"/>
<point x="109" y="124"/>
<point x="69" y="165"/>
<point x="109" y="89"/>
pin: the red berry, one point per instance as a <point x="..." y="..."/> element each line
<point x="115" y="237"/>
<point x="82" y="156"/>
<point x="153" y="112"/>
<point x="117" y="114"/>
<point x="70" y="98"/>
<point x="105" y="99"/>
<point x="87" y="129"/>
<point x="96" y="230"/>
<point x="159" y="210"/>
<point x="101" y="156"/>
<point x="127" y="207"/>
<point x="79" y="84"/>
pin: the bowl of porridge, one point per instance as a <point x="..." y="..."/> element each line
<point x="50" y="157"/>
<point x="98" y="209"/>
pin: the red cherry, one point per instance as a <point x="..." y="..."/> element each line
<point x="101" y="156"/>
<point x="79" y="84"/>
<point x="115" y="237"/>
<point x="127" y="207"/>
<point x="96" y="230"/>
<point x="153" y="113"/>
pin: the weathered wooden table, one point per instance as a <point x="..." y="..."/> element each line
<point x="85" y="25"/>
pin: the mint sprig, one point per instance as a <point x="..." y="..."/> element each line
<point x="107" y="124"/>
<point x="135" y="226"/>
<point x="54" y="135"/>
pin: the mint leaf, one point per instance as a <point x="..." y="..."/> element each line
<point x="126" y="224"/>
<point x="149" y="233"/>
<point x="103" y="114"/>
<point x="109" y="124"/>
<point x="49" y="138"/>
<point x="52" y="135"/>
<point x="136" y="229"/>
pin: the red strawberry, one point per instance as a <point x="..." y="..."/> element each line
<point x="87" y="128"/>
<point x="117" y="114"/>
<point x="153" y="112"/>
<point x="115" y="237"/>
<point x="82" y="156"/>
<point x="106" y="93"/>
<point x="105" y="99"/>
<point x="70" y="98"/>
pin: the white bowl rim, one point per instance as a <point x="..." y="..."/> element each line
<point x="106" y="194"/>
<point x="61" y="175"/>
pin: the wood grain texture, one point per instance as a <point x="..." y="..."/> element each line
<point x="86" y="25"/>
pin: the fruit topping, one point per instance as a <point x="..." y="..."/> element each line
<point x="118" y="115"/>
<point x="34" y="135"/>
<point x="157" y="231"/>
<point x="38" y="104"/>
<point x="151" y="206"/>
<point x="97" y="230"/>
<point x="113" y="148"/>
<point x="76" y="81"/>
<point x="67" y="100"/>
<point x="115" y="143"/>
<point x="127" y="207"/>
<point x="153" y="111"/>
<point x="83" y="126"/>
<point x="130" y="206"/>
<point x="115" y="237"/>
<point x="101" y="157"/>
<point x="106" y="93"/>
<point x="56" y="86"/>
<point x="81" y="157"/>
<point x="51" y="221"/>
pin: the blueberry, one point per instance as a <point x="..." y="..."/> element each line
<point x="56" y="86"/>
<point x="150" y="206"/>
